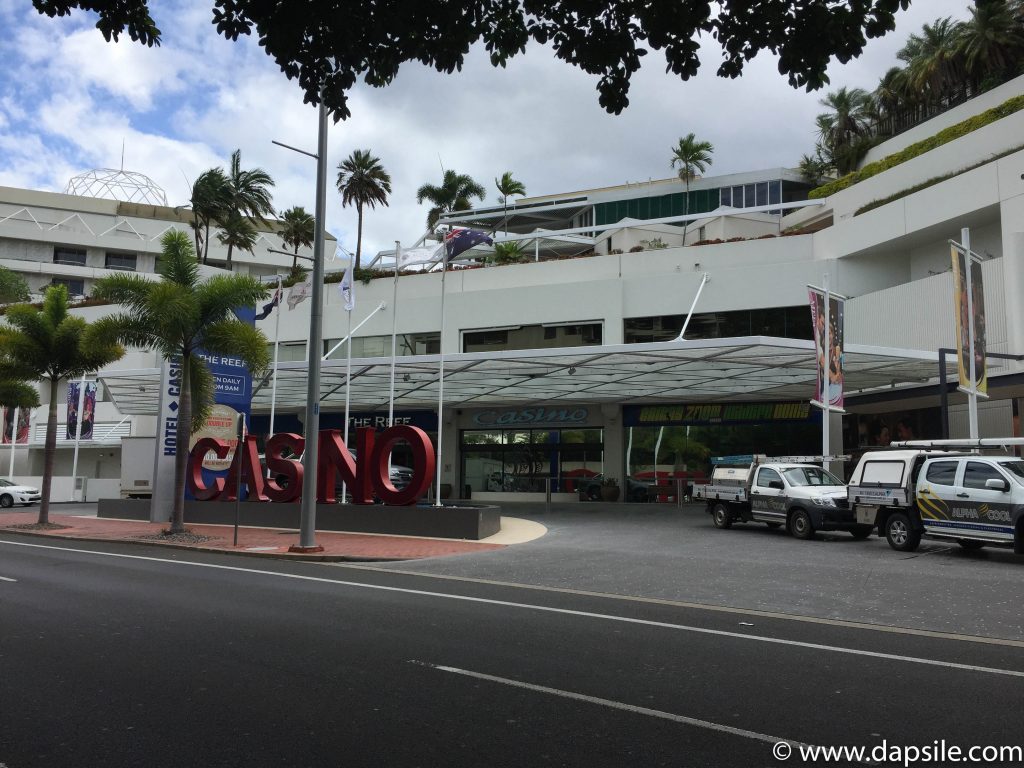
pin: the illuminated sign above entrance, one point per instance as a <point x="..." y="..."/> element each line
<point x="713" y="413"/>
<point x="531" y="417"/>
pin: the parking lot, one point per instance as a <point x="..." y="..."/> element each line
<point x="661" y="551"/>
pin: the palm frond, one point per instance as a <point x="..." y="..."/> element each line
<point x="126" y="289"/>
<point x="177" y="259"/>
<point x="231" y="337"/>
<point x="17" y="394"/>
<point x="201" y="389"/>
<point x="220" y="294"/>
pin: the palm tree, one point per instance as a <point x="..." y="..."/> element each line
<point x="298" y="230"/>
<point x="249" y="191"/>
<point x="693" y="157"/>
<point x="210" y="194"/>
<point x="507" y="186"/>
<point x="934" y="61"/>
<point x="362" y="181"/>
<point x="842" y="129"/>
<point x="892" y="96"/>
<point x="453" y="195"/>
<point x="237" y="232"/>
<point x="178" y="316"/>
<point x="50" y="345"/>
<point x="992" y="41"/>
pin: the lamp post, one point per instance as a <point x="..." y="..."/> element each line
<point x="307" y="524"/>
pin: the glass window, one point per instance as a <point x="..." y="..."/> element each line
<point x="533" y="337"/>
<point x="480" y="437"/>
<point x="72" y="256"/>
<point x="811" y="476"/>
<point x="726" y="196"/>
<point x="737" y="197"/>
<point x="122" y="261"/>
<point x="977" y="473"/>
<point x="75" y="287"/>
<point x="774" y="192"/>
<point x="941" y="473"/>
<point x="1015" y="468"/>
<point x="748" y="196"/>
<point x="766" y="475"/>
<point x="761" y="193"/>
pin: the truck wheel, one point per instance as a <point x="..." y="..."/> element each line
<point x="862" y="531"/>
<point x="970" y="544"/>
<point x="720" y="514"/>
<point x="800" y="525"/>
<point x="900" y="533"/>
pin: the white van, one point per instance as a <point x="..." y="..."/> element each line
<point x="969" y="498"/>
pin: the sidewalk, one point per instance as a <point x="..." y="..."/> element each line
<point x="265" y="542"/>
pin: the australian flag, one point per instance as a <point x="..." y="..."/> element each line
<point x="269" y="306"/>
<point x="459" y="240"/>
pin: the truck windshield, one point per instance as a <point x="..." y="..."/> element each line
<point x="1015" y="468"/>
<point x="810" y="476"/>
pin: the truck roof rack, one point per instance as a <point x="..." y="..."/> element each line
<point x="960" y="444"/>
<point x="760" y="458"/>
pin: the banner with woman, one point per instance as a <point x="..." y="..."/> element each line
<point x="829" y="389"/>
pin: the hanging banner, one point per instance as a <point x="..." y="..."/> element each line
<point x="963" y="310"/>
<point x="72" y="425"/>
<point x="88" y="410"/>
<point x="829" y="389"/>
<point x="24" y="416"/>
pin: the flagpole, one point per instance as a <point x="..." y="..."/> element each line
<point x="273" y="373"/>
<point x="78" y="435"/>
<point x="14" y="439"/>
<point x="440" y="385"/>
<point x="348" y="389"/>
<point x="394" y="339"/>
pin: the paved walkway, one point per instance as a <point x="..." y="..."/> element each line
<point x="272" y="542"/>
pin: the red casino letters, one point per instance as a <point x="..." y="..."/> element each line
<point x="364" y="479"/>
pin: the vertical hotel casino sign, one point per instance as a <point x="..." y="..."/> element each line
<point x="232" y="395"/>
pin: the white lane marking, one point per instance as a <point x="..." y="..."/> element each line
<point x="682" y="719"/>
<point x="546" y="609"/>
<point x="4" y="578"/>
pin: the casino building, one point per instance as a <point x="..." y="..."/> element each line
<point x="574" y="363"/>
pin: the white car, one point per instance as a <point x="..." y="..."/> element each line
<point x="12" y="493"/>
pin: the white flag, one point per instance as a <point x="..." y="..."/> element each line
<point x="299" y="292"/>
<point x="425" y="255"/>
<point x="346" y="289"/>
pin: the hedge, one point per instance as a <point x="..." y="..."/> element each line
<point x="944" y="136"/>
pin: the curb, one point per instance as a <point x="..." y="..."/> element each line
<point x="214" y="550"/>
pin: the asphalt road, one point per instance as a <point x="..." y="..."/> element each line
<point x="137" y="656"/>
<point x="661" y="551"/>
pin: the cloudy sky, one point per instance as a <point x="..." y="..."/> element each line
<point x="69" y="100"/>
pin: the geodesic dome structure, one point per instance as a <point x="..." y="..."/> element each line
<point x="124" y="186"/>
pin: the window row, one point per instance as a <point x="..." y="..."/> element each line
<point x="77" y="257"/>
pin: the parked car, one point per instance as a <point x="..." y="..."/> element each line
<point x="590" y="489"/>
<point x="936" y="488"/>
<point x="786" y="490"/>
<point x="11" y="493"/>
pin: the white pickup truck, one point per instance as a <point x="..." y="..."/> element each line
<point x="783" y="490"/>
<point x="935" y="488"/>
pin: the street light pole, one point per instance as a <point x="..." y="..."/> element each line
<point x="307" y="525"/>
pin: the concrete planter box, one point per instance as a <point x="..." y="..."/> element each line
<point x="446" y="522"/>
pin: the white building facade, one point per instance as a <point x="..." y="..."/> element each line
<point x="568" y="365"/>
